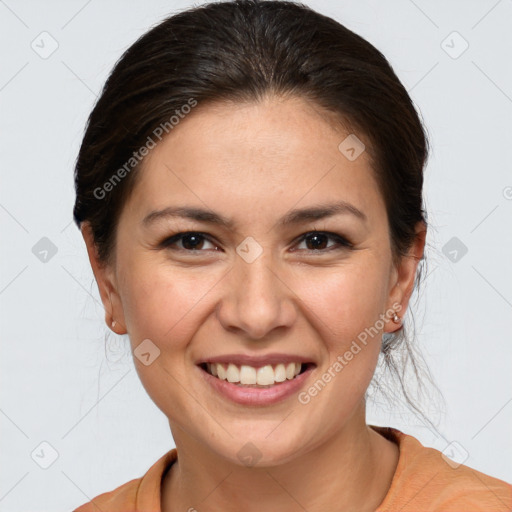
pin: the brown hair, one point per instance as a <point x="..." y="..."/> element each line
<point x="244" y="50"/>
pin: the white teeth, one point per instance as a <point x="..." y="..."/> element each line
<point x="280" y="373"/>
<point x="232" y="373"/>
<point x="265" y="375"/>
<point x="248" y="375"/>
<point x="221" y="372"/>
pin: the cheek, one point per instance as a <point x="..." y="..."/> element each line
<point x="344" y="302"/>
<point x="344" y="310"/>
<point x="163" y="305"/>
<point x="160" y="303"/>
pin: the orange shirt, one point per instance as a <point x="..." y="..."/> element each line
<point x="423" y="481"/>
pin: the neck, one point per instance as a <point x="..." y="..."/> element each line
<point x="351" y="471"/>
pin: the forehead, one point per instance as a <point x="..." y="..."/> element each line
<point x="271" y="155"/>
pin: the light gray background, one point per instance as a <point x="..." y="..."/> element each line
<point x="57" y="383"/>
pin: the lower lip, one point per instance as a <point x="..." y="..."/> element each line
<point x="257" y="396"/>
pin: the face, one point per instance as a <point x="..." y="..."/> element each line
<point x="276" y="287"/>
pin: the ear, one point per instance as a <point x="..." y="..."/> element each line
<point x="107" y="287"/>
<point x="403" y="277"/>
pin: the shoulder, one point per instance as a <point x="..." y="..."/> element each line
<point x="123" y="498"/>
<point x="138" y="494"/>
<point x="426" y="480"/>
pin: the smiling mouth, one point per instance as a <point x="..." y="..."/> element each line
<point x="261" y="377"/>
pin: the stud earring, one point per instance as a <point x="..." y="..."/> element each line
<point x="397" y="319"/>
<point x="113" y="323"/>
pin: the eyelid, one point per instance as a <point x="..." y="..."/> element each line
<point x="169" y="241"/>
<point x="343" y="242"/>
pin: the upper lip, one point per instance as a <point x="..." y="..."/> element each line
<point x="255" y="361"/>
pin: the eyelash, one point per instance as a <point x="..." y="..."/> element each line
<point x="343" y="242"/>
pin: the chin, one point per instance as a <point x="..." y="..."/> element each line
<point x="260" y="450"/>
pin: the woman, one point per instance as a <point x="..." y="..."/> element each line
<point x="249" y="189"/>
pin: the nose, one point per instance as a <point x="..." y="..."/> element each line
<point x="256" y="300"/>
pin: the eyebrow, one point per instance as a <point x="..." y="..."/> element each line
<point x="297" y="216"/>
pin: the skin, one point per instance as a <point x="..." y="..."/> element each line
<point x="253" y="163"/>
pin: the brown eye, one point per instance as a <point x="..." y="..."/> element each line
<point x="317" y="241"/>
<point x="191" y="241"/>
